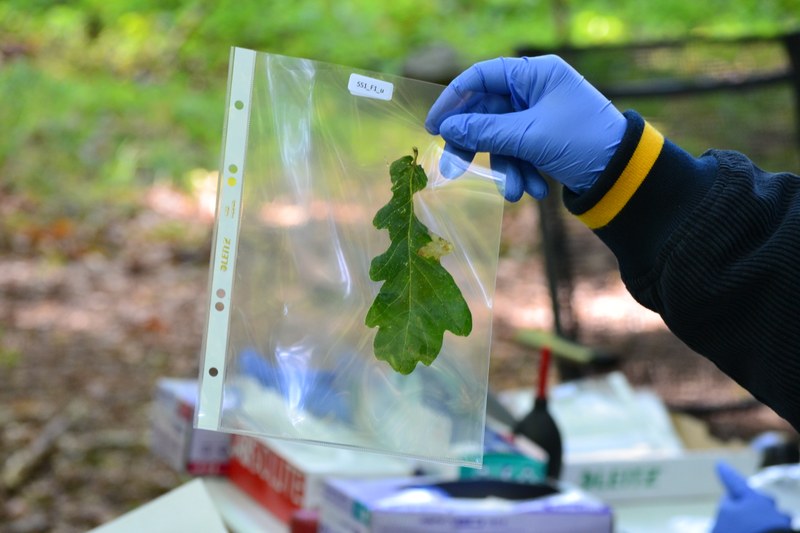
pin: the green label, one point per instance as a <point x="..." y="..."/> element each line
<point x="361" y="513"/>
<point x="634" y="477"/>
<point x="507" y="467"/>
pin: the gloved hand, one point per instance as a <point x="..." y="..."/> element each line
<point x="532" y="115"/>
<point x="743" y="510"/>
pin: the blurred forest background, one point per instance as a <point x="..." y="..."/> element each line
<point x="112" y="116"/>
<point x="104" y="97"/>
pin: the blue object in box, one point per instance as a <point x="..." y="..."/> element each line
<point x="432" y="505"/>
<point x="319" y="391"/>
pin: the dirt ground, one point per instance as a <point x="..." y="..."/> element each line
<point x="91" y="317"/>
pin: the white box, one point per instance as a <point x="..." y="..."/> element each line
<point x="434" y="505"/>
<point x="284" y="476"/>
<point x="686" y="475"/>
<point x="189" y="507"/>
<point x="621" y="444"/>
<point x="689" y="473"/>
<point x="173" y="437"/>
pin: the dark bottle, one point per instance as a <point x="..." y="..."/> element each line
<point x="539" y="426"/>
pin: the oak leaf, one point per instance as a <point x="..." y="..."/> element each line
<point x="419" y="299"/>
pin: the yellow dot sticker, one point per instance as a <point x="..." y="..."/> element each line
<point x="231" y="181"/>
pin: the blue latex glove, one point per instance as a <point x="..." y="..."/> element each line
<point x="532" y="115"/>
<point x="743" y="510"/>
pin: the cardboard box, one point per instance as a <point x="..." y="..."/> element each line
<point x="621" y="444"/>
<point x="432" y="505"/>
<point x="189" y="507"/>
<point x="285" y="476"/>
<point x="507" y="457"/>
<point x="689" y="473"/>
<point x="173" y="437"/>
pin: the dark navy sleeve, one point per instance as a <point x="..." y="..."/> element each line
<point x="712" y="244"/>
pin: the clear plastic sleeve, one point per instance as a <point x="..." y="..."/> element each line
<point x="287" y="354"/>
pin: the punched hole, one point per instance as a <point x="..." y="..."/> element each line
<point x="219" y="306"/>
<point x="213" y="371"/>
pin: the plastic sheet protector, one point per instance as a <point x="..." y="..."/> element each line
<point x="287" y="353"/>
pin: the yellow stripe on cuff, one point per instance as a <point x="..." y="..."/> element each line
<point x="644" y="157"/>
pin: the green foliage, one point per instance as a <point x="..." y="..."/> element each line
<point x="419" y="300"/>
<point x="90" y="139"/>
<point x="101" y="97"/>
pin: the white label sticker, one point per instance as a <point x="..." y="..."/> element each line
<point x="370" y="87"/>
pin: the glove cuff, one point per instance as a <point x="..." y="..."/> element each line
<point x="634" y="158"/>
<point x="648" y="188"/>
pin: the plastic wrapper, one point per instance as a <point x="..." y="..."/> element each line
<point x="781" y="482"/>
<point x="287" y="354"/>
<point x="604" y="418"/>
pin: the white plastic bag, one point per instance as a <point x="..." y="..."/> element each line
<point x="305" y="167"/>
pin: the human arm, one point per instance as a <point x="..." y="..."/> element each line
<point x="711" y="243"/>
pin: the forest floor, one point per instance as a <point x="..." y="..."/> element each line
<point x="92" y="314"/>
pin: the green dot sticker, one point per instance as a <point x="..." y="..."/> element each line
<point x="233" y="169"/>
<point x="238" y="104"/>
